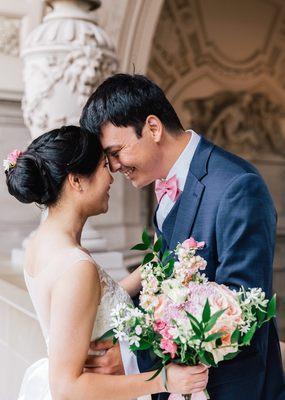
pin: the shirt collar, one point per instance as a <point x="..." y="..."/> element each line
<point x="181" y="166"/>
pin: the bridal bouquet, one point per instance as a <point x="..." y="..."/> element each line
<point x="184" y="318"/>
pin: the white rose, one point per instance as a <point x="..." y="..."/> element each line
<point x="173" y="289"/>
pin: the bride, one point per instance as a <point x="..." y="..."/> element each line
<point x="66" y="171"/>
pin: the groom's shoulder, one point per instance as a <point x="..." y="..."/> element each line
<point x="227" y="165"/>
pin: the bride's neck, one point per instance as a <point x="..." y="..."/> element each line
<point x="67" y="221"/>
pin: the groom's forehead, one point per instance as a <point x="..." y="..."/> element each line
<point x="114" y="137"/>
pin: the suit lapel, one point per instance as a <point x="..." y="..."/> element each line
<point x="179" y="222"/>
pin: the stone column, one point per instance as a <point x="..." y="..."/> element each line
<point x="65" y="58"/>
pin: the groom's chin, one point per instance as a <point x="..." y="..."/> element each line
<point x="139" y="185"/>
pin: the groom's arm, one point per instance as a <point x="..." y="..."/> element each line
<point x="245" y="232"/>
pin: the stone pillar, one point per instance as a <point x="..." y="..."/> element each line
<point x="65" y="58"/>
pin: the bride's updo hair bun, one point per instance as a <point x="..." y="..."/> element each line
<point x="41" y="170"/>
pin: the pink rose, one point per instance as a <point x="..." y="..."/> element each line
<point x="192" y="244"/>
<point x="165" y="333"/>
<point x="13" y="156"/>
<point x="159" y="308"/>
<point x="168" y="346"/>
<point x="159" y="325"/>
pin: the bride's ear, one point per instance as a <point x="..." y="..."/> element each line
<point x="154" y="127"/>
<point x="75" y="182"/>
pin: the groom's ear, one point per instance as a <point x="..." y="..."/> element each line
<point x="155" y="127"/>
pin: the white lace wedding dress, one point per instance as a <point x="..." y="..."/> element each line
<point x="35" y="385"/>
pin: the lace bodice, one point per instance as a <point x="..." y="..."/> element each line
<point x="112" y="295"/>
<point x="40" y="288"/>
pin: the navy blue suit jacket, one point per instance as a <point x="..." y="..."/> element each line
<point x="226" y="203"/>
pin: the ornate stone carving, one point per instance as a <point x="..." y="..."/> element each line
<point x="9" y="36"/>
<point x="248" y="124"/>
<point x="188" y="39"/>
<point x="65" y="59"/>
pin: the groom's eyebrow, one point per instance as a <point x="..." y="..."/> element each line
<point x="110" y="148"/>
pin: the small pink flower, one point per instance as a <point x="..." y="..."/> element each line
<point x="192" y="244"/>
<point x="168" y="346"/>
<point x="165" y="333"/>
<point x="159" y="325"/>
<point x="13" y="156"/>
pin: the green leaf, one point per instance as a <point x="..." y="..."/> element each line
<point x="201" y="355"/>
<point x="230" y="356"/>
<point x="208" y="359"/>
<point x="206" y="312"/>
<point x="140" y="246"/>
<point x="158" y="245"/>
<point x="195" y="325"/>
<point x="214" y="336"/>
<point x="155" y="374"/>
<point x="166" y="254"/>
<point x="106" y="335"/>
<point x="158" y="352"/>
<point x="235" y="336"/>
<point x="168" y="269"/>
<point x="213" y="320"/>
<point x="146" y="237"/>
<point x="260" y="315"/>
<point x="144" y="345"/>
<point x="195" y="337"/>
<point x="271" y="309"/>
<point x="249" y="335"/>
<point x="148" y="258"/>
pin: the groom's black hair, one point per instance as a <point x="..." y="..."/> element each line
<point x="127" y="100"/>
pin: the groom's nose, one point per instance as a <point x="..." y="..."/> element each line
<point x="115" y="165"/>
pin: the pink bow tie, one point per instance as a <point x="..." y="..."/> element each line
<point x="169" y="187"/>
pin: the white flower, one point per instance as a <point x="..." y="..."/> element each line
<point x="118" y="310"/>
<point x="6" y="165"/>
<point x="175" y="291"/>
<point x="134" y="340"/>
<point x="135" y="312"/>
<point x="138" y="330"/>
<point x="244" y="329"/>
<point x="120" y="335"/>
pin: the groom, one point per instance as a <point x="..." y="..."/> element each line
<point x="204" y="192"/>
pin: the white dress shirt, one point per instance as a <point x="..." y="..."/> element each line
<point x="180" y="168"/>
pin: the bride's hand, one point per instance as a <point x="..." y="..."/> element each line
<point x="104" y="358"/>
<point x="186" y="380"/>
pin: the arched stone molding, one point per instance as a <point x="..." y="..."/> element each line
<point x="136" y="36"/>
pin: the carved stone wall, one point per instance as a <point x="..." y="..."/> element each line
<point x="221" y="64"/>
<point x="9" y="35"/>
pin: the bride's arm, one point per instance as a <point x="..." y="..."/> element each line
<point x="74" y="302"/>
<point x="132" y="283"/>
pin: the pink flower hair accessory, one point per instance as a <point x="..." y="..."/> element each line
<point x="11" y="160"/>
